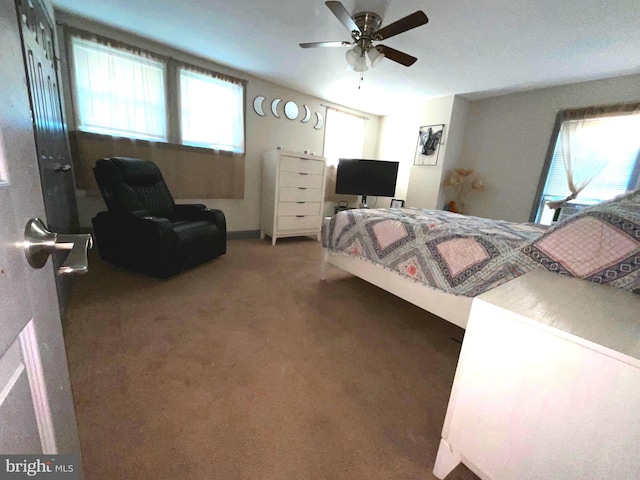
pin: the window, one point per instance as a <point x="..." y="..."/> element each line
<point x="123" y="91"/>
<point x="118" y="92"/>
<point x="132" y="102"/>
<point x="595" y="158"/>
<point x="343" y="136"/>
<point x="211" y="111"/>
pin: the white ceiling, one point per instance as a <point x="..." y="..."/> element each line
<point x="473" y="47"/>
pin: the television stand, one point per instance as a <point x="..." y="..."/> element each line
<point x="364" y="203"/>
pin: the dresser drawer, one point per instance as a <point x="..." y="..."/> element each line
<point x="293" y="179"/>
<point x="298" y="208"/>
<point x="300" y="194"/>
<point x="303" y="165"/>
<point x="306" y="222"/>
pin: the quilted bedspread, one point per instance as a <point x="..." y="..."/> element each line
<point x="458" y="254"/>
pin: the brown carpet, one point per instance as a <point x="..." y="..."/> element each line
<point x="249" y="367"/>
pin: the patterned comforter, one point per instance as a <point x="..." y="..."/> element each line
<point x="458" y="254"/>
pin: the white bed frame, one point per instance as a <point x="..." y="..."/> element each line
<point x="454" y="308"/>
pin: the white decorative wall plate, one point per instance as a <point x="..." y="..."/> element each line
<point x="257" y="105"/>
<point x="307" y="114"/>
<point x="291" y="110"/>
<point x="274" y="107"/>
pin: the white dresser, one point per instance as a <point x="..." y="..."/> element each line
<point x="547" y="384"/>
<point x="292" y="194"/>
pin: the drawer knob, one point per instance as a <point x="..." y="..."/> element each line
<point x="301" y="202"/>
<point x="300" y="216"/>
<point x="303" y="173"/>
<point x="302" y="188"/>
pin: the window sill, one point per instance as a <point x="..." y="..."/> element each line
<point x="138" y="142"/>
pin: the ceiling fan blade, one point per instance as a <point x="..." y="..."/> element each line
<point x="339" y="11"/>
<point x="407" y="23"/>
<point x="397" y="56"/>
<point x="325" y="44"/>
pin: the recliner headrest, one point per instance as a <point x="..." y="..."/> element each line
<point x="135" y="172"/>
<point x="132" y="184"/>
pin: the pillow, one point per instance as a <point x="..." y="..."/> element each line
<point x="600" y="244"/>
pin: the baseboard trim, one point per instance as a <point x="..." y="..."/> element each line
<point x="243" y="234"/>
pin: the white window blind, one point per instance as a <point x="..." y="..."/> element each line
<point x="608" y="146"/>
<point x="118" y="92"/>
<point x="343" y="136"/>
<point x="211" y="111"/>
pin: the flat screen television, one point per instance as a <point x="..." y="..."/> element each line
<point x="366" y="177"/>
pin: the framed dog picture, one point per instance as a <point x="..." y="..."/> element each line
<point x="397" y="203"/>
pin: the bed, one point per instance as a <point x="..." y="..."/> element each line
<point x="440" y="260"/>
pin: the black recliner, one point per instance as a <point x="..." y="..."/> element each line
<point x="144" y="230"/>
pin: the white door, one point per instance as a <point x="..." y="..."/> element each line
<point x="36" y="407"/>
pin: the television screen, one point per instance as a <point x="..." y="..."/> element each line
<point x="366" y="177"/>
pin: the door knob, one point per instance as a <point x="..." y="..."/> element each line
<point x="39" y="243"/>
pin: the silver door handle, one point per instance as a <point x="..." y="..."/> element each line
<point x="39" y="243"/>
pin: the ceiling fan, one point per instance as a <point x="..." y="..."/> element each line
<point x="365" y="29"/>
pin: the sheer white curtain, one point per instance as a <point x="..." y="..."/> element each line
<point x="119" y="91"/>
<point x="211" y="111"/>
<point x="594" y="156"/>
<point x="343" y="136"/>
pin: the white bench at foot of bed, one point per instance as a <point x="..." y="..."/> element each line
<point x="547" y="384"/>
<point x="453" y="308"/>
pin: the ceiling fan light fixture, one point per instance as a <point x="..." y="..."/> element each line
<point x="351" y="56"/>
<point x="375" y="56"/>
<point x="361" y="64"/>
<point x="365" y="30"/>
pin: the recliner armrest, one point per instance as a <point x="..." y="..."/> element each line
<point x="216" y="216"/>
<point x="185" y="211"/>
<point x="146" y="244"/>
<point x="139" y="224"/>
<point x="191" y="206"/>
<point x="140" y="213"/>
<point x="160" y="226"/>
<point x="196" y="211"/>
